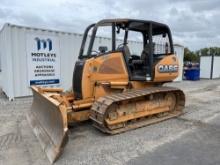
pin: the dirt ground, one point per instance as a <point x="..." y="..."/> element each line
<point x="192" y="138"/>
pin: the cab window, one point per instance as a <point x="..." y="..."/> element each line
<point x="103" y="40"/>
<point x="161" y="44"/>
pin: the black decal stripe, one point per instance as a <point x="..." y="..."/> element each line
<point x="77" y="79"/>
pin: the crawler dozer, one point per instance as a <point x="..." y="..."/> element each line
<point x="118" y="89"/>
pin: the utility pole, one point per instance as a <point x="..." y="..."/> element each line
<point x="212" y="62"/>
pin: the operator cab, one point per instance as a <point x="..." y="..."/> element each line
<point x="143" y="44"/>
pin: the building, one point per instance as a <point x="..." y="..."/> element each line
<point x="209" y="67"/>
<point x="20" y="45"/>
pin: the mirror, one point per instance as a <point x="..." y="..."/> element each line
<point x="103" y="49"/>
<point x="164" y="35"/>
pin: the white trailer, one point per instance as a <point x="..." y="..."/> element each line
<point x="210" y="67"/>
<point x="19" y="45"/>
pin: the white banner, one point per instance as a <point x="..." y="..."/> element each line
<point x="43" y="57"/>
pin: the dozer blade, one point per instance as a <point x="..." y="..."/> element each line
<point x="48" y="120"/>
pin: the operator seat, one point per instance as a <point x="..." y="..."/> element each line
<point x="145" y="54"/>
<point x="144" y="58"/>
<point x="126" y="52"/>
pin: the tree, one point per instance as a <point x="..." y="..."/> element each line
<point x="190" y="55"/>
<point x="194" y="56"/>
<point x="209" y="51"/>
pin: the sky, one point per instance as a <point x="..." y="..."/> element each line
<point x="194" y="23"/>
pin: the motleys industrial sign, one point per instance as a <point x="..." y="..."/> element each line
<point x="43" y="57"/>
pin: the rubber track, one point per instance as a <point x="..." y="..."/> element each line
<point x="100" y="108"/>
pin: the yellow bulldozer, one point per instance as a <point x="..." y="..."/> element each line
<point x="117" y="89"/>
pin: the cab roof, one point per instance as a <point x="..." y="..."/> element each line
<point x="135" y="24"/>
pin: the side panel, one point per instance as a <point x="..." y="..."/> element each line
<point x="205" y="66"/>
<point x="167" y="69"/>
<point x="7" y="69"/>
<point x="106" y="68"/>
<point x="179" y="52"/>
<point x="216" y="67"/>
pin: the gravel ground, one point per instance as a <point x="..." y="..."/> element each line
<point x="87" y="145"/>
